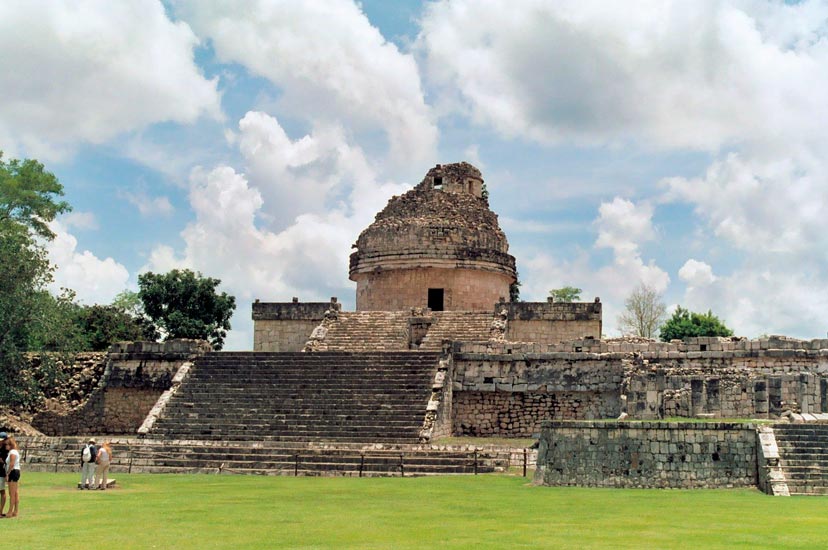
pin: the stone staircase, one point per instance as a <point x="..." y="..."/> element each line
<point x="803" y="452"/>
<point x="368" y="331"/>
<point x="302" y="397"/>
<point x="131" y="455"/>
<point x="463" y="326"/>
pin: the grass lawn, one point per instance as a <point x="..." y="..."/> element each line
<point x="493" y="511"/>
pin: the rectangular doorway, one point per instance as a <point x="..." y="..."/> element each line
<point x="435" y="299"/>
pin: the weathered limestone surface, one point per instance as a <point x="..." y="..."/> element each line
<point x="647" y="454"/>
<point x="552" y="323"/>
<point x="441" y="234"/>
<point x="285" y="326"/>
<point x="135" y="376"/>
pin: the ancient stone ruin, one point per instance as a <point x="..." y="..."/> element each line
<point x="436" y="349"/>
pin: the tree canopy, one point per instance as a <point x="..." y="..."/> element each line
<point x="29" y="196"/>
<point x="566" y="294"/>
<point x="644" y="312"/>
<point x="183" y="304"/>
<point x="685" y="323"/>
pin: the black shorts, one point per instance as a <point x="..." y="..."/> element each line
<point x="14" y="476"/>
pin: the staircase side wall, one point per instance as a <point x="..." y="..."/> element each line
<point x="136" y="375"/>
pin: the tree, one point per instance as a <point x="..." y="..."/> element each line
<point x="566" y="294"/>
<point x="183" y="304"/>
<point x="685" y="324"/>
<point x="514" y="291"/>
<point x="28" y="196"/>
<point x="28" y="202"/>
<point x="644" y="312"/>
<point x="102" y="326"/>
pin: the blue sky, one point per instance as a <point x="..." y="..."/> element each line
<point x="680" y="145"/>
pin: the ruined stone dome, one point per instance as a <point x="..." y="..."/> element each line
<point x="444" y="222"/>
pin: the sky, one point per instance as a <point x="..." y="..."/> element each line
<point x="683" y="145"/>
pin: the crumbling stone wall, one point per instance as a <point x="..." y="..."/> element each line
<point x="508" y="388"/>
<point x="647" y="454"/>
<point x="135" y="376"/>
<point x="285" y="326"/>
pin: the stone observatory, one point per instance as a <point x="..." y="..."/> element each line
<point x="438" y="246"/>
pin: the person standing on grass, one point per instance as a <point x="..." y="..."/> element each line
<point x="12" y="475"/>
<point x="103" y="459"/>
<point x="3" y="454"/>
<point x="88" y="455"/>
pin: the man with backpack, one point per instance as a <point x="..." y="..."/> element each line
<point x="88" y="455"/>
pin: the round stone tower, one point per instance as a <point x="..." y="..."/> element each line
<point x="436" y="246"/>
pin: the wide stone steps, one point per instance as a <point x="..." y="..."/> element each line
<point x="803" y="452"/>
<point x="368" y="330"/>
<point x="376" y="396"/>
<point x="256" y="457"/>
<point x="461" y="326"/>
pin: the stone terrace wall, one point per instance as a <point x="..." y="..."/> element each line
<point x="135" y="376"/>
<point x="286" y="326"/>
<point x="500" y="389"/>
<point x="508" y="388"/>
<point x="647" y="454"/>
<point x="550" y="322"/>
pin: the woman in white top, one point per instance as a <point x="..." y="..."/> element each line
<point x="12" y="475"/>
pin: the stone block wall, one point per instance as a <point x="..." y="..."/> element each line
<point x="402" y="289"/>
<point x="286" y="326"/>
<point x="647" y="454"/>
<point x="136" y="375"/>
<point x="500" y="389"/>
<point x="551" y="323"/>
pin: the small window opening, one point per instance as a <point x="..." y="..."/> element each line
<point x="703" y="347"/>
<point x="438" y="182"/>
<point x="435" y="299"/>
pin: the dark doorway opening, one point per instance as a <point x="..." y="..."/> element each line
<point x="438" y="182"/>
<point x="435" y="299"/>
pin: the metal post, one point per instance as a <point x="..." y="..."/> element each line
<point x="402" y="466"/>
<point x="296" y="465"/>
<point x="361" y="464"/>
<point x="524" y="462"/>
<point x="475" y="462"/>
<point x="57" y="457"/>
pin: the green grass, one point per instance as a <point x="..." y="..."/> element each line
<point x="203" y="511"/>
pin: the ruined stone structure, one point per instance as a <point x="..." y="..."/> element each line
<point x="437" y="246"/>
<point x="435" y="349"/>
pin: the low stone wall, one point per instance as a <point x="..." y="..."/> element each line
<point x="551" y="323"/>
<point x="286" y="326"/>
<point x="647" y="454"/>
<point x="135" y="376"/>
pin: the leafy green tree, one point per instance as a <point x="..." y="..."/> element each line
<point x="29" y="200"/>
<point x="102" y="326"/>
<point x="566" y="294"/>
<point x="685" y="323"/>
<point x="28" y="196"/>
<point x="183" y="304"/>
<point x="514" y="292"/>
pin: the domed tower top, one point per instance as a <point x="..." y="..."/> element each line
<point x="438" y="245"/>
<point x="460" y="177"/>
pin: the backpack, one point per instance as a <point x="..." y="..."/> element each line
<point x="87" y="454"/>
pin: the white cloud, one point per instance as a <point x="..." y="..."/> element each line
<point x="80" y="220"/>
<point x="671" y="74"/>
<point x="621" y="226"/>
<point x="329" y="62"/>
<point x="252" y="246"/>
<point x="94" y="280"/>
<point x="696" y="273"/>
<point x="73" y="72"/>
<point x="148" y="206"/>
